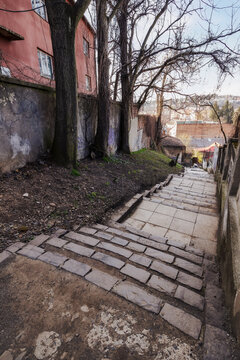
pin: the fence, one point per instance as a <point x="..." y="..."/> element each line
<point x="228" y="178"/>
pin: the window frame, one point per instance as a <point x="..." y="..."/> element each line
<point x="46" y="64"/>
<point x="88" y="82"/>
<point x="86" y="47"/>
<point x="42" y="12"/>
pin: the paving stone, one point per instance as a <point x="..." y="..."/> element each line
<point x="52" y="258"/>
<point x="159" y="255"/>
<point x="137" y="231"/>
<point x="190" y="280"/>
<point x="191" y="257"/>
<point x="185" y="227"/>
<point x="102" y="279"/>
<point x="158" y="238"/>
<point x="160" y="220"/>
<point x="162" y="285"/>
<point x="136" y="273"/>
<point x="155" y="229"/>
<point x="166" y="210"/>
<point x="78" y="249"/>
<point x="4" y="255"/>
<point x="82" y="238"/>
<point x="115" y="249"/>
<point x="119" y="241"/>
<point x="186" y="215"/>
<point x="114" y="231"/>
<point x="153" y="244"/>
<point x="56" y="242"/>
<point x="148" y="205"/>
<point x="39" y="240"/>
<point x="7" y="355"/>
<point x="195" y="251"/>
<point x="216" y="344"/>
<point x="31" y="251"/>
<point x="141" y="260"/>
<point x="129" y="223"/>
<point x="15" y="247"/>
<point x="76" y="267"/>
<point x="183" y="321"/>
<point x="104" y="235"/>
<point x="188" y="266"/>
<point x="131" y="236"/>
<point x="88" y="230"/>
<point x="100" y="226"/>
<point x="142" y="215"/>
<point x="138" y="296"/>
<point x="177" y="244"/>
<point x="59" y="232"/>
<point x="207" y="246"/>
<point x="179" y="237"/>
<point x="136" y="247"/>
<point x="164" y="269"/>
<point x="206" y="227"/>
<point x="189" y="297"/>
<point x="109" y="260"/>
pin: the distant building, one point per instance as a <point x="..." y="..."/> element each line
<point x="26" y="48"/>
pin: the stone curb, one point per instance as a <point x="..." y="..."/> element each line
<point x="130" y="206"/>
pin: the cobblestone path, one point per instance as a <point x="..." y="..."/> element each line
<point x="162" y="258"/>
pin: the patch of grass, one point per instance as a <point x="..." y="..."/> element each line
<point x="92" y="195"/>
<point x="75" y="172"/>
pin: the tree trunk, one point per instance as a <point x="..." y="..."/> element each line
<point x="160" y="100"/>
<point x="127" y="102"/>
<point x="101" y="139"/>
<point x="63" y="25"/>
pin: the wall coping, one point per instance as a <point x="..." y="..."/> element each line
<point x="25" y="83"/>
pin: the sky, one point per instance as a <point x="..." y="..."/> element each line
<point x="223" y="17"/>
<point x="208" y="78"/>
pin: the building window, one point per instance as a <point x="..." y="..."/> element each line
<point x="85" y="47"/>
<point x="5" y="71"/>
<point x="40" y="4"/>
<point x="88" y="83"/>
<point x="46" y="64"/>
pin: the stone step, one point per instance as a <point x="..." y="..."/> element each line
<point x="184" y="200"/>
<point x="117" y="285"/>
<point x="187" y="194"/>
<point x="146" y="277"/>
<point x="201" y="193"/>
<point x="205" y="210"/>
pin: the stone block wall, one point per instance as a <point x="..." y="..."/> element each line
<point x="228" y="179"/>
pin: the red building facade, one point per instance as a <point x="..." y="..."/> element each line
<point x="26" y="48"/>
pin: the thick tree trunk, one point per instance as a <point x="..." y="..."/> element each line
<point x="101" y="139"/>
<point x="126" y="104"/>
<point x="62" y="24"/>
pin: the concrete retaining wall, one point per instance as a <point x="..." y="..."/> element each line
<point x="27" y="118"/>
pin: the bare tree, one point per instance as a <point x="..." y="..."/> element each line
<point x="157" y="38"/>
<point x="63" y="20"/>
<point x="104" y="17"/>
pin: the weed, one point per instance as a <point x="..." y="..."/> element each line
<point x="92" y="195"/>
<point x="75" y="172"/>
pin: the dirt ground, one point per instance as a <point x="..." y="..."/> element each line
<point x="49" y="313"/>
<point x="42" y="196"/>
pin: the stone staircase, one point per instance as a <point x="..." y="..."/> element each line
<point x="166" y="275"/>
